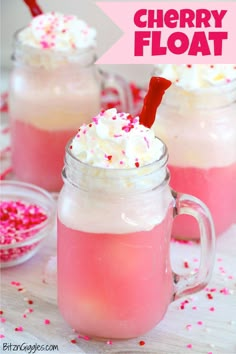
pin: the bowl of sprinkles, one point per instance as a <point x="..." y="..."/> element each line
<point x="27" y="218"/>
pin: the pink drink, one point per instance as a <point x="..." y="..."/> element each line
<point x="115" y="215"/>
<point x="41" y="154"/>
<point x="117" y="285"/>
<point x="216" y="187"/>
<point x="54" y="88"/>
<point x="197" y="123"/>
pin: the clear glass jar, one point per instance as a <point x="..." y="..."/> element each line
<point x="199" y="128"/>
<point x="114" y="226"/>
<point x="51" y="94"/>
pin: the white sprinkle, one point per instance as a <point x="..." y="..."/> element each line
<point x="212" y="345"/>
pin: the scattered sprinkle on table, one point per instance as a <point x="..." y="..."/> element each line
<point x="19" y="329"/>
<point x="142" y="342"/>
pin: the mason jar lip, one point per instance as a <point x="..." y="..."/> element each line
<point x="201" y="98"/>
<point x="159" y="163"/>
<point x="77" y="51"/>
<point x="218" y="89"/>
<point x="226" y="86"/>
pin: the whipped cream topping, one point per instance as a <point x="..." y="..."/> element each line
<point x="56" y="31"/>
<point x="116" y="140"/>
<point x="194" y="76"/>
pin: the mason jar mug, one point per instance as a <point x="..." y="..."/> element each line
<point x="114" y="231"/>
<point x="51" y="94"/>
<point x="199" y="128"/>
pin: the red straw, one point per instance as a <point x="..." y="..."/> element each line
<point x="33" y="7"/>
<point x="153" y="98"/>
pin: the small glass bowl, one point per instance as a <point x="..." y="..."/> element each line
<point x="15" y="253"/>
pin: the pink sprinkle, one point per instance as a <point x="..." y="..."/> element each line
<point x="95" y="120"/>
<point x="2" y="336"/>
<point x="219" y="259"/>
<point x="19" y="329"/>
<point x="194" y="308"/>
<point x="45" y="45"/>
<point x="195" y="260"/>
<point x="2" y="319"/>
<point x="147" y="142"/>
<point x="30" y="310"/>
<point x="3" y="97"/>
<point x="46" y="321"/>
<point x="24" y="315"/>
<point x="117" y="135"/>
<point x="83" y="337"/>
<point x="224" y="291"/>
<point x="4" y="174"/>
<point x="230" y="277"/>
<point x="109" y="342"/>
<point x="222" y="270"/>
<point x="13" y="283"/>
<point x="210" y="353"/>
<point x="86" y="338"/>
<point x="212" y="309"/>
<point x="109" y="157"/>
<point x="189" y="346"/>
<point x="200" y="323"/>
<point x="186" y="265"/>
<point x="188" y="327"/>
<point x="17" y="220"/>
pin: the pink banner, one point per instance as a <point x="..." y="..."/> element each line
<point x="172" y="32"/>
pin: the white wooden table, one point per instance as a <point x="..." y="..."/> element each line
<point x="202" y="326"/>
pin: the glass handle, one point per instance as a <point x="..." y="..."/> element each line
<point x="189" y="284"/>
<point x="123" y="89"/>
